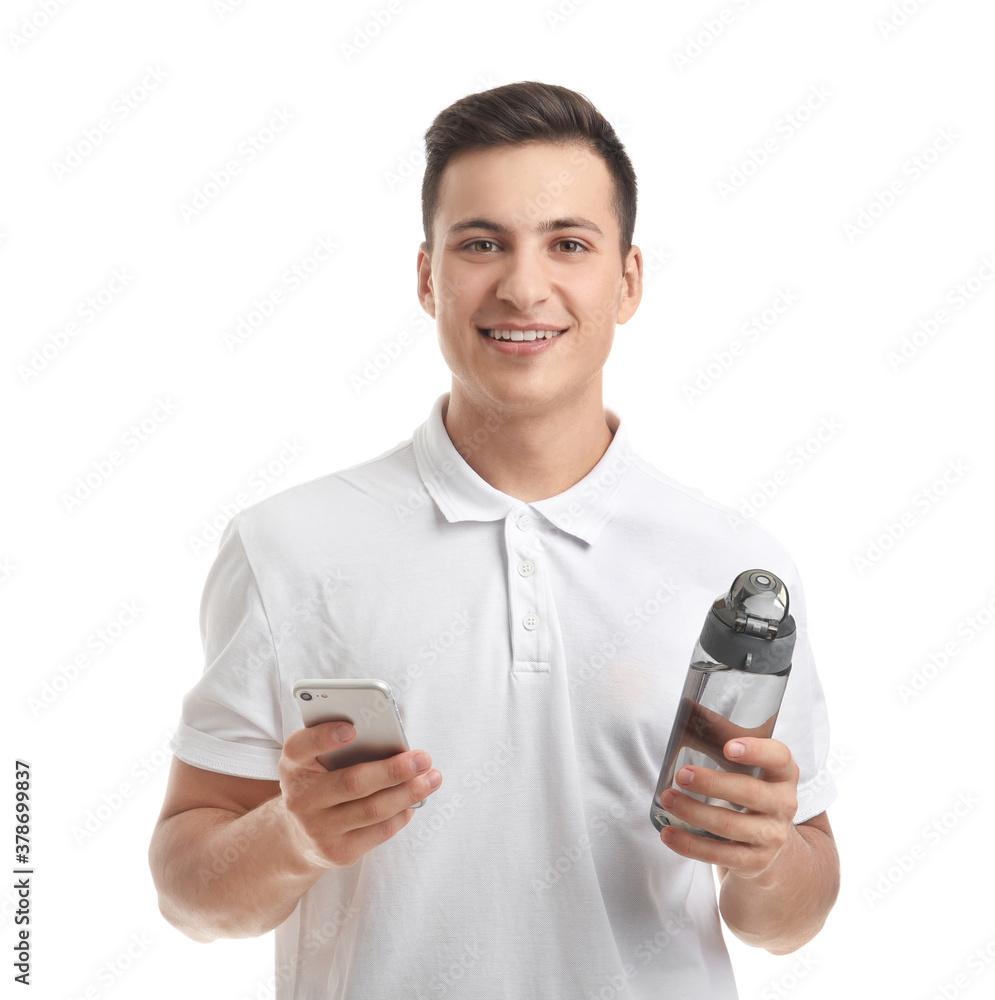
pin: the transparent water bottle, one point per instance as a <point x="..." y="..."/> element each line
<point x="733" y="688"/>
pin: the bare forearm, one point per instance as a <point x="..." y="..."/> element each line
<point x="786" y="906"/>
<point x="224" y="875"/>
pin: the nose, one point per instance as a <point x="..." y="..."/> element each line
<point x="524" y="281"/>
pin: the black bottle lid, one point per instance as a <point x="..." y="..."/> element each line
<point x="750" y="628"/>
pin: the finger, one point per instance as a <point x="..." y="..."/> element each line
<point x="772" y="755"/>
<point x="733" y="855"/>
<point x="743" y="790"/>
<point x="361" y="780"/>
<point x="302" y="775"/>
<point x="303" y="747"/>
<point x="344" y="850"/>
<point x="375" y="809"/>
<point x="727" y="823"/>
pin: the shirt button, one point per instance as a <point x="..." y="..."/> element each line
<point x="526" y="568"/>
<point x="524" y="522"/>
<point x="531" y="621"/>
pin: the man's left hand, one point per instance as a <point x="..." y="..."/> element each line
<point x="756" y="836"/>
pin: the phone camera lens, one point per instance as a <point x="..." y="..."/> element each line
<point x="305" y="696"/>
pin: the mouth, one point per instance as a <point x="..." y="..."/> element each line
<point x="520" y="335"/>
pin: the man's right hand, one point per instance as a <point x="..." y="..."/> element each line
<point x="232" y="856"/>
<point x="335" y="817"/>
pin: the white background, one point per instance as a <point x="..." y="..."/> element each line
<point x="914" y="815"/>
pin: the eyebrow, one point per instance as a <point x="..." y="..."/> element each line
<point x="543" y="228"/>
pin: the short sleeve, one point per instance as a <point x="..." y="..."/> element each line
<point x="231" y="718"/>
<point x="803" y="721"/>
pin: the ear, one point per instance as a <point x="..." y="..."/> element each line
<point x="426" y="293"/>
<point x="632" y="285"/>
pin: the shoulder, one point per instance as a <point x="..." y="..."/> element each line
<point x="656" y="494"/>
<point x="335" y="503"/>
<point x="684" y="527"/>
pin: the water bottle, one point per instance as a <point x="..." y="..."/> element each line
<point x="734" y="685"/>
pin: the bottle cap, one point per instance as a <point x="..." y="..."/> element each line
<point x="750" y="628"/>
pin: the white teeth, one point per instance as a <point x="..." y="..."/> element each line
<point x="523" y="334"/>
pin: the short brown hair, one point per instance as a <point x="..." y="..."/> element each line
<point x="523" y="112"/>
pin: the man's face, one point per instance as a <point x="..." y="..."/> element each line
<point x="525" y="237"/>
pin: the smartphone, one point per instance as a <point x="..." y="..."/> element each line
<point x="365" y="702"/>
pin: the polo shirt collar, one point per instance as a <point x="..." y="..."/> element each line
<point x="461" y="495"/>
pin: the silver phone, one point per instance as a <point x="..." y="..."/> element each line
<point x="367" y="704"/>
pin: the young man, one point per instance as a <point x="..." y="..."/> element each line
<point x="531" y="590"/>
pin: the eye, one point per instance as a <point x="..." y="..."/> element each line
<point x="477" y="243"/>
<point x="574" y="243"/>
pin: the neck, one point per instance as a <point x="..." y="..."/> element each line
<point x="529" y="454"/>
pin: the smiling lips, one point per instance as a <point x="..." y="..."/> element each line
<point x="499" y="334"/>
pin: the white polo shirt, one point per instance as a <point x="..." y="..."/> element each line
<point x="537" y="652"/>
